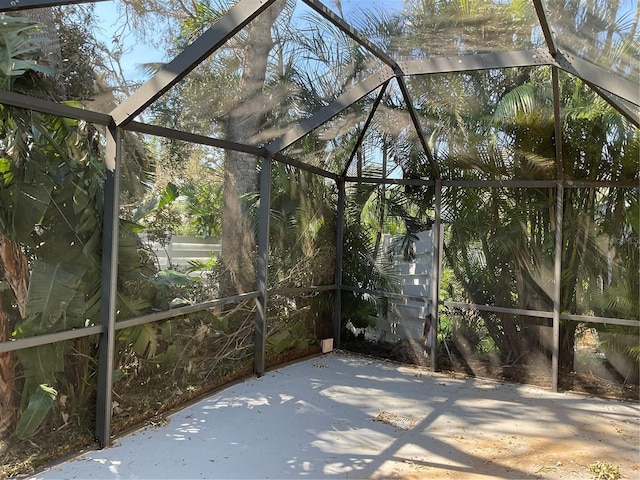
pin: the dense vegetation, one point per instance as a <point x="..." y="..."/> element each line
<point x="488" y="125"/>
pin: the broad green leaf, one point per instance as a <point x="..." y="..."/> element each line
<point x="40" y="365"/>
<point x="52" y="289"/>
<point x="633" y="215"/>
<point x="168" y="355"/>
<point x="40" y="403"/>
<point x="5" y="171"/>
<point x="81" y="199"/>
<point x="31" y="205"/>
<point x="128" y="255"/>
<point x="280" y="341"/>
<point x="172" y="278"/>
<point x="169" y="194"/>
<point x="179" y="302"/>
<point x="144" y="339"/>
<point x="133" y="227"/>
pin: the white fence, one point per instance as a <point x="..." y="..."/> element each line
<point x="182" y="250"/>
<point x="405" y="318"/>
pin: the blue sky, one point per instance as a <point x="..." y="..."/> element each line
<point x="137" y="52"/>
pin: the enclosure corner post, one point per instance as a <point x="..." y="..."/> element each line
<point x="337" y="303"/>
<point x="436" y="240"/>
<point x="262" y="267"/>
<point x="110" y="234"/>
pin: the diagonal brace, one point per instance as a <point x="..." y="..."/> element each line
<point x="238" y="16"/>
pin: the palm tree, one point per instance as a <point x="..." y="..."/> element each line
<point x="499" y="125"/>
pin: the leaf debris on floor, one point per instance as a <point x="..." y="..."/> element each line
<point x="397" y="421"/>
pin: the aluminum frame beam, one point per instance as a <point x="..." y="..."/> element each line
<point x="166" y="132"/>
<point x="599" y="184"/>
<point x="546" y="27"/>
<point x="543" y="314"/>
<point x="109" y="286"/>
<point x="344" y="101"/>
<point x="365" y="127"/>
<point x="52" y="108"/>
<point x="633" y="117"/>
<point x="483" y="61"/>
<point x="49" y="338"/>
<point x="557" y="259"/>
<point x="29" y="4"/>
<point x="262" y="268"/>
<point x="496" y="183"/>
<point x="294" y="291"/>
<point x="418" y="182"/>
<point x="436" y="268"/>
<point x="584" y="69"/>
<point x="305" y="166"/>
<point x="337" y="274"/>
<point x="492" y="308"/>
<point x="557" y="288"/>
<point x="461" y="183"/>
<point x="600" y="320"/>
<point x="339" y="22"/>
<point x="180" y="311"/>
<point x="418" y="126"/>
<point x="602" y="78"/>
<point x="557" y="123"/>
<point x="238" y="16"/>
<point x="380" y="293"/>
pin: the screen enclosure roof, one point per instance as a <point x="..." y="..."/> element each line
<point x="378" y="71"/>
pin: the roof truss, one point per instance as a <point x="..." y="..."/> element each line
<point x="604" y="82"/>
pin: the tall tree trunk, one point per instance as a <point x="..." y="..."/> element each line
<point x="241" y="174"/>
<point x="14" y="274"/>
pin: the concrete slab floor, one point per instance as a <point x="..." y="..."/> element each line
<point x="343" y="416"/>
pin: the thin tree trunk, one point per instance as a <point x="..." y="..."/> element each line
<point x="241" y="174"/>
<point x="382" y="201"/>
<point x="14" y="271"/>
<point x="8" y="409"/>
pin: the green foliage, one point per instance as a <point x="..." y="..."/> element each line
<point x="171" y="288"/>
<point x="362" y="266"/>
<point x="80" y="54"/>
<point x="199" y="265"/>
<point x="499" y="242"/>
<point x="156" y="202"/>
<point x="51" y="203"/>
<point x="302" y="229"/>
<point x="40" y="365"/>
<point x="293" y="336"/>
<point x="19" y="45"/>
<point x="40" y="404"/>
<point x="143" y="340"/>
<point x="203" y="207"/>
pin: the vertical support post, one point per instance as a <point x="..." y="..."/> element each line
<point x="262" y="267"/>
<point x="435" y="275"/>
<point x="337" y="279"/>
<point x="557" y="272"/>
<point x="557" y="287"/>
<point x="110" y="234"/>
